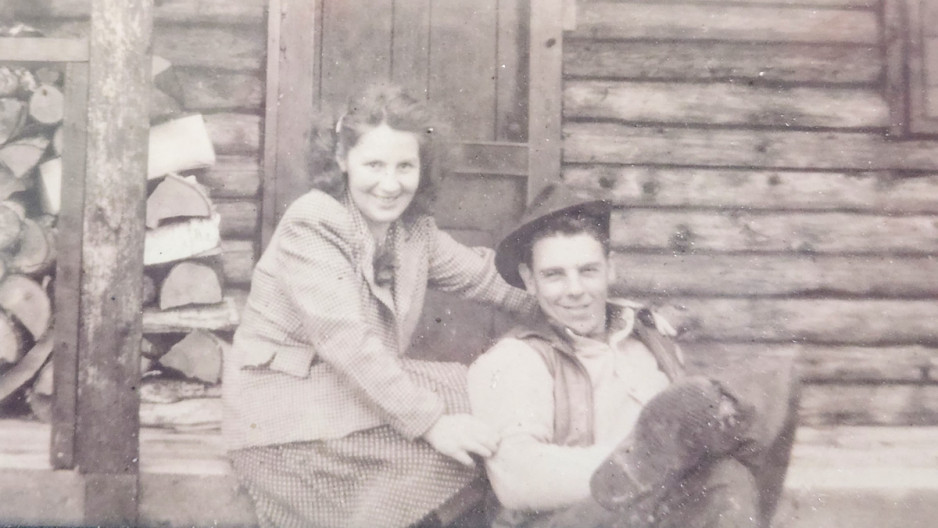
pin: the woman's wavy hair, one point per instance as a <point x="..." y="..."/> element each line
<point x="377" y="104"/>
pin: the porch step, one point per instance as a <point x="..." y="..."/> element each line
<point x="861" y="477"/>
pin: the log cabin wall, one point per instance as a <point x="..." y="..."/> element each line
<point x="217" y="50"/>
<point x="761" y="200"/>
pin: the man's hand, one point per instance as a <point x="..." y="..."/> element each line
<point x="459" y="436"/>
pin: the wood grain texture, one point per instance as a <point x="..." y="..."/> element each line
<point x="875" y="192"/>
<point x="238" y="48"/>
<point x="189" y="11"/>
<point x="356" y="47"/>
<point x="725" y="104"/>
<point x="67" y="301"/>
<point x="827" y="364"/>
<point x="864" y="322"/>
<point x="775" y="275"/>
<point x="292" y="90"/>
<point x="612" y="20"/>
<point x="806" y="233"/>
<point x="852" y="4"/>
<point x="107" y="448"/>
<point x="410" y="46"/>
<point x="884" y="405"/>
<point x="206" y="90"/>
<point x="610" y="143"/>
<point x="463" y="72"/>
<point x="238" y="260"/>
<point x="238" y="218"/>
<point x="759" y="63"/>
<point x="232" y="177"/>
<point x="545" y="92"/>
<point x="234" y="133"/>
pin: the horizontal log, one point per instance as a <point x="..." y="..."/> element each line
<point x="168" y="390"/>
<point x="750" y="275"/>
<point x="809" y="232"/>
<point x="611" y="143"/>
<point x="238" y="262"/>
<point x="238" y="219"/>
<point x="242" y="47"/>
<point x="880" y="192"/>
<point x="855" y="4"/>
<point x="710" y="61"/>
<point x="725" y="104"/>
<point x="221" y="317"/>
<point x="826" y="364"/>
<point x="612" y="20"/>
<point x="828" y="321"/>
<point x="884" y="405"/>
<point x="234" y="133"/>
<point x="47" y="49"/>
<point x="209" y="89"/>
<point x="184" y="415"/>
<point x="190" y="11"/>
<point x="232" y="177"/>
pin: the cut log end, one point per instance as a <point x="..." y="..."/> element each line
<point x="197" y="356"/>
<point x="25" y="300"/>
<point x="189" y="283"/>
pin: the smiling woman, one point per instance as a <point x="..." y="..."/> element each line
<point x="328" y="422"/>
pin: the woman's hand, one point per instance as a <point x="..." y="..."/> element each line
<point x="459" y="436"/>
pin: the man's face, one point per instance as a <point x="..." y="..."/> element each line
<point x="570" y="276"/>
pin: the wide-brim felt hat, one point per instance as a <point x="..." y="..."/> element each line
<point x="553" y="201"/>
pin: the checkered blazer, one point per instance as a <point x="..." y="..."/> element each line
<point x="320" y="350"/>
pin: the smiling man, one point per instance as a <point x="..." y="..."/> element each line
<point x="600" y="423"/>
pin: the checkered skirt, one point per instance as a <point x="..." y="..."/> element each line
<point x="371" y="478"/>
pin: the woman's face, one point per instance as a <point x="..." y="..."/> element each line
<point x="383" y="171"/>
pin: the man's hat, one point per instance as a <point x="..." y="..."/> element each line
<point x="553" y="201"/>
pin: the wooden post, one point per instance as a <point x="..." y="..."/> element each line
<point x="110" y="327"/>
<point x="545" y="94"/>
<point x="293" y="29"/>
<point x="68" y="270"/>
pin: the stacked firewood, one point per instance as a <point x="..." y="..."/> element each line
<point x="31" y="113"/>
<point x="182" y="243"/>
<point x="182" y="252"/>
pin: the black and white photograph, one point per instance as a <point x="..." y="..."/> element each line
<point x="469" y="263"/>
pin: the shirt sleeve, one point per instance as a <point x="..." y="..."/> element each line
<point x="470" y="273"/>
<point x="511" y="389"/>
<point x="318" y="268"/>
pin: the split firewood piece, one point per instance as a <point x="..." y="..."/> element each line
<point x="149" y="290"/>
<point x="9" y="184"/>
<point x="50" y="74"/>
<point x="12" y="118"/>
<point x="58" y="140"/>
<point x="179" y="145"/>
<point x="39" y="395"/>
<point x="11" y="226"/>
<point x="197" y="356"/>
<point x="13" y="340"/>
<point x="22" y="155"/>
<point x="163" y="106"/>
<point x="9" y="82"/>
<point x="181" y="240"/>
<point x="36" y="253"/>
<point x="50" y="186"/>
<point x="168" y="390"/>
<point x="190" y="283"/>
<point x="47" y="105"/>
<point x="25" y="300"/>
<point x="177" y="197"/>
<point x="26" y="368"/>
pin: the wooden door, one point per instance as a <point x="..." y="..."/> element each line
<point x="470" y="58"/>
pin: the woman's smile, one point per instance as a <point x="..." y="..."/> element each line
<point x="383" y="175"/>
